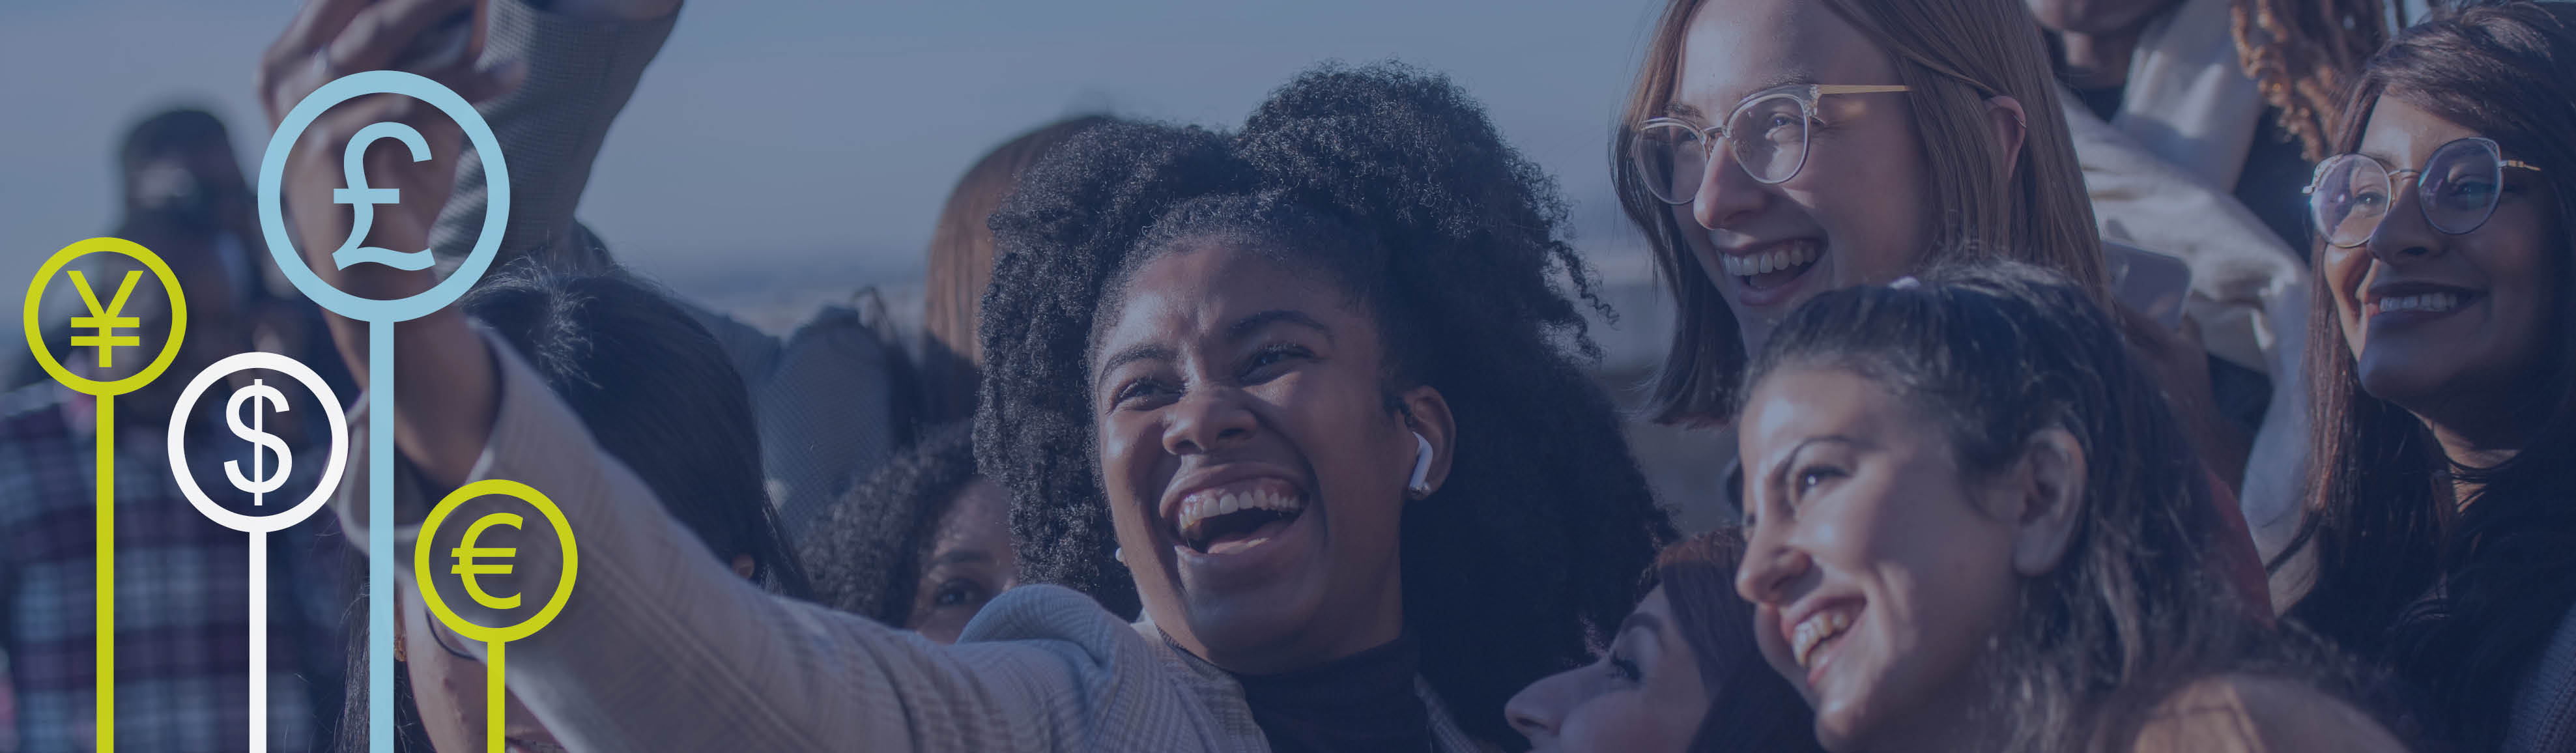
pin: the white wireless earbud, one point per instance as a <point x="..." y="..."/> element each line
<point x="1420" y="485"/>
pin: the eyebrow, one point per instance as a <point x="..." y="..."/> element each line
<point x="1677" y="108"/>
<point x="962" y="557"/>
<point x="1138" y="353"/>
<point x="1648" y="621"/>
<point x="1245" y="327"/>
<point x="1780" y="470"/>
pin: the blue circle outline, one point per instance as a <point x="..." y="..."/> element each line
<point x="272" y="220"/>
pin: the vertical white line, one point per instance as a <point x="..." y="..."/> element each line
<point x="258" y="642"/>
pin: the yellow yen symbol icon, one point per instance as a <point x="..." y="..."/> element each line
<point x="106" y="321"/>
<point x="466" y="553"/>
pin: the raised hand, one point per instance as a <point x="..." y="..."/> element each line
<point x="332" y="38"/>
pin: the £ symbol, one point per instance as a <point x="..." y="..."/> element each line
<point x="466" y="553"/>
<point x="363" y="200"/>
<point x="256" y="483"/>
<point x="105" y="319"/>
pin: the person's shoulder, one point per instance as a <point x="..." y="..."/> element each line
<point x="2239" y="713"/>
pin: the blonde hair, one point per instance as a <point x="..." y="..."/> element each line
<point x="1954" y="55"/>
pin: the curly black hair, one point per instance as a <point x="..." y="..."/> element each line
<point x="1529" y="553"/>
<point x="865" y="555"/>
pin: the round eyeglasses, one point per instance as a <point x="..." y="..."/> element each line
<point x="2457" y="190"/>
<point x="1767" y="133"/>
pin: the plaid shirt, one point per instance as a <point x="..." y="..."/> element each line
<point x="182" y="602"/>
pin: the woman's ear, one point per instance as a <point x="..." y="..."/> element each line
<point x="1427" y="414"/>
<point x="2012" y="126"/>
<point x="2050" y="484"/>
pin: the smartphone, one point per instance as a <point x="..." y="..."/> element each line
<point x="456" y="39"/>
<point x="2155" y="284"/>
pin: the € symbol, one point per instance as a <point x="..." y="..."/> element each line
<point x="105" y="319"/>
<point x="258" y="485"/>
<point x="466" y="552"/>
<point x="363" y="200"/>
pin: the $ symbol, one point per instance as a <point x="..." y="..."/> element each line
<point x="105" y="319"/>
<point x="258" y="485"/>
<point x="466" y="552"/>
<point x="363" y="200"/>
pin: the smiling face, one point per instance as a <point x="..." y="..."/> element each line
<point x="970" y="562"/>
<point x="1254" y="470"/>
<point x="1645" y="694"/>
<point x="1876" y="569"/>
<point x="2449" y="327"/>
<point x="1853" y="214"/>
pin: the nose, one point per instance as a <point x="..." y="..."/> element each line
<point x="1207" y="420"/>
<point x="2403" y="234"/>
<point x="1538" y="711"/>
<point x="1772" y="568"/>
<point x="1727" y="194"/>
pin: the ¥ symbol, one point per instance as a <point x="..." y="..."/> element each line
<point x="105" y="319"/>
<point x="363" y="200"/>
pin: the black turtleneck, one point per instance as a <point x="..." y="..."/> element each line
<point x="1362" y="702"/>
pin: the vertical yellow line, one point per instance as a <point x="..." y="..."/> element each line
<point x="104" y="720"/>
<point x="496" y="701"/>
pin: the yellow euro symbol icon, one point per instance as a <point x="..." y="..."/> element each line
<point x="496" y="641"/>
<point x="466" y="554"/>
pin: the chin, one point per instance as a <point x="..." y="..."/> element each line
<point x="1237" y="627"/>
<point x="2399" y="379"/>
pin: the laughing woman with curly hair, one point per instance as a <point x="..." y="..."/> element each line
<point x="1305" y="394"/>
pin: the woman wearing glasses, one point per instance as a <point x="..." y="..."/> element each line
<point x="2443" y="524"/>
<point x="1778" y="149"/>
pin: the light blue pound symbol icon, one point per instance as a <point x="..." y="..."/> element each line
<point x="363" y="200"/>
<point x="380" y="315"/>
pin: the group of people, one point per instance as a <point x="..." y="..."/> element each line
<point x="1280" y="436"/>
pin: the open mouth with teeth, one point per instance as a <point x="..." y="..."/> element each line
<point x="1228" y="520"/>
<point x="1812" y="633"/>
<point x="1774" y="266"/>
<point x="2428" y="303"/>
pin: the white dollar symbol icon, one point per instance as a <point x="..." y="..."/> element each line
<point x="256" y="483"/>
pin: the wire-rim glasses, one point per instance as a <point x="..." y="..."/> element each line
<point x="2457" y="190"/>
<point x="1768" y="133"/>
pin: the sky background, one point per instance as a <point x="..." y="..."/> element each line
<point x="779" y="148"/>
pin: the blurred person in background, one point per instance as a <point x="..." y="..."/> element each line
<point x="960" y="262"/>
<point x="921" y="544"/>
<point x="183" y="600"/>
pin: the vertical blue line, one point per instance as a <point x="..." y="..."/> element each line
<point x="380" y="536"/>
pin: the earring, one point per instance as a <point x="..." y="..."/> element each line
<point x="1420" y="485"/>
<point x="1119" y="554"/>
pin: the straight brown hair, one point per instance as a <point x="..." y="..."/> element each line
<point x="960" y="263"/>
<point x="2456" y="595"/>
<point x="1954" y="54"/>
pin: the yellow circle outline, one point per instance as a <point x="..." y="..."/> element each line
<point x="428" y="529"/>
<point x="160" y="271"/>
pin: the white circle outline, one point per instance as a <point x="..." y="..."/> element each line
<point x="330" y="471"/>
